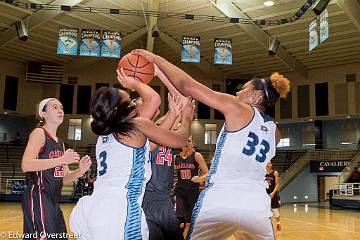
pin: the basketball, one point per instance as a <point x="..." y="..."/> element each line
<point x="138" y="67"/>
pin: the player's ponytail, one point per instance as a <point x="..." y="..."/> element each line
<point x="280" y="83"/>
<point x="273" y="88"/>
<point x="111" y="113"/>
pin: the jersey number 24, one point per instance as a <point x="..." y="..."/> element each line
<point x="250" y="148"/>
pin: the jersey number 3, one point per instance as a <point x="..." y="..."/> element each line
<point x="250" y="148"/>
<point x="103" y="165"/>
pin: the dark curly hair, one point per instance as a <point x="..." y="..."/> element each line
<point x="273" y="88"/>
<point x="111" y="112"/>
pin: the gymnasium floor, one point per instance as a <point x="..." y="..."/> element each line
<point x="299" y="222"/>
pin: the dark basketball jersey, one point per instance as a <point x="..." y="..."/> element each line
<point x="275" y="200"/>
<point x="41" y="209"/>
<point x="162" y="171"/>
<point x="186" y="169"/>
<point x="270" y="179"/>
<point x="50" y="180"/>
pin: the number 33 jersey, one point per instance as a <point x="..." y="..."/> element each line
<point x="241" y="156"/>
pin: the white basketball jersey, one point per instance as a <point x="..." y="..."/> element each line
<point x="241" y="156"/>
<point x="114" y="209"/>
<point x="120" y="165"/>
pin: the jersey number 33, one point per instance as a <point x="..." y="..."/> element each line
<point x="250" y="148"/>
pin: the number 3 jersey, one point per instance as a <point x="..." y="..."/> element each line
<point x="241" y="156"/>
<point x="113" y="211"/>
<point x="123" y="166"/>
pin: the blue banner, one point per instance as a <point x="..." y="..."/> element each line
<point x="324" y="25"/>
<point x="67" y="42"/>
<point x="313" y="35"/>
<point x="90" y="43"/>
<point x="111" y="44"/>
<point x="222" y="51"/>
<point x="190" y="49"/>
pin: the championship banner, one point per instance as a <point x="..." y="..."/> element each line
<point x="111" y="44"/>
<point x="324" y="25"/>
<point x="313" y="35"/>
<point x="90" y="43"/>
<point x="222" y="51"/>
<point x="190" y="51"/>
<point x="67" y="42"/>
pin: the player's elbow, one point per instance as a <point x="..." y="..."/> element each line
<point x="25" y="166"/>
<point x="184" y="87"/>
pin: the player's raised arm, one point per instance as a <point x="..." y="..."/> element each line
<point x="183" y="82"/>
<point x="150" y="99"/>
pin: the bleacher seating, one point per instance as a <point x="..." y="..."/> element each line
<point x="10" y="164"/>
<point x="285" y="158"/>
<point x="11" y="155"/>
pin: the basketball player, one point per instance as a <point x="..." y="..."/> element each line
<point x="273" y="180"/>
<point x="157" y="204"/>
<point x="45" y="162"/>
<point x="114" y="211"/>
<point x="235" y="199"/>
<point x="187" y="165"/>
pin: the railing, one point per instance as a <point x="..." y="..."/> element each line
<point x="316" y="155"/>
<point x="11" y="151"/>
<point x="332" y="154"/>
<point x="294" y="170"/>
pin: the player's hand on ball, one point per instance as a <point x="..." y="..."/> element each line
<point x="84" y="164"/>
<point x="126" y="81"/>
<point x="146" y="54"/>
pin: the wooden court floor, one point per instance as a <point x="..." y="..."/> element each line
<point x="300" y="222"/>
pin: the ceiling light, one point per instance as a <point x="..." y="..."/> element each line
<point x="269" y="3"/>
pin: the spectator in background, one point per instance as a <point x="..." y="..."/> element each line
<point x="355" y="177"/>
